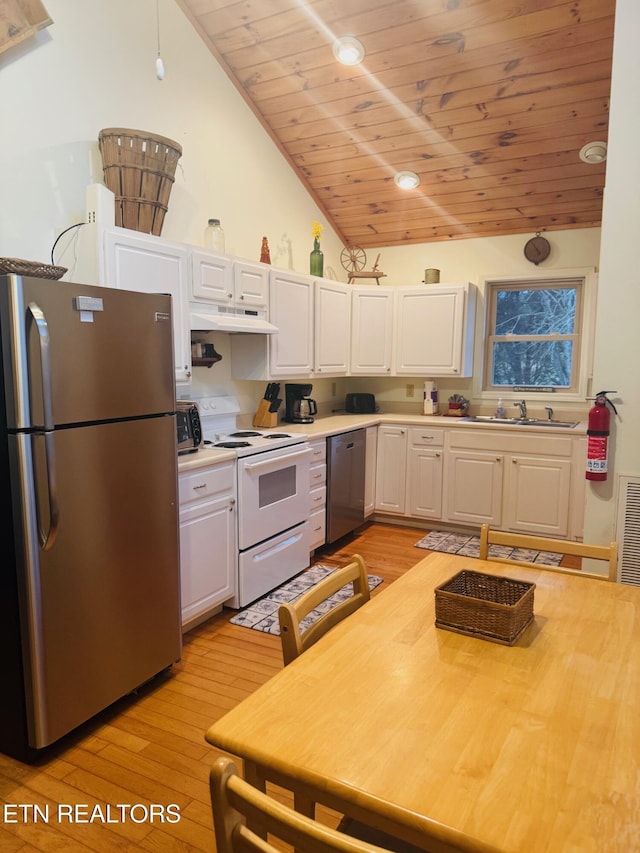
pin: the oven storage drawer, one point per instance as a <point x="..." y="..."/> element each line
<point x="271" y="563"/>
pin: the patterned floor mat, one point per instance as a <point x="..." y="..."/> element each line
<point x="262" y="615"/>
<point x="469" y="546"/>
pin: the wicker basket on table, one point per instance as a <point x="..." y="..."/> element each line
<point x="489" y="607"/>
<point x="139" y="170"/>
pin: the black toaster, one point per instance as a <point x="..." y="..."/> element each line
<point x="360" y="404"/>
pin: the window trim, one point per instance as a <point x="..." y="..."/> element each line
<point x="586" y="324"/>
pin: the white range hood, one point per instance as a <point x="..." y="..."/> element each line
<point x="231" y="321"/>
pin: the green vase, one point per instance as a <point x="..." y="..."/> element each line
<point x="316" y="259"/>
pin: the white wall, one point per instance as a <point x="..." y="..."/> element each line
<point x="95" y="68"/>
<point x="617" y="352"/>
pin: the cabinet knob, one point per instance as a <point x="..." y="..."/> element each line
<point x="437" y="454"/>
<point x="242" y="296"/>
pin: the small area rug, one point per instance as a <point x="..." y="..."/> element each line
<point x="469" y="546"/>
<point x="262" y="615"/>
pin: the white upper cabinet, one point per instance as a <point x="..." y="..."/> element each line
<point x="224" y="281"/>
<point x="371" y="330"/>
<point x="434" y="330"/>
<point x="332" y="324"/>
<point x="291" y="310"/>
<point x="134" y="261"/>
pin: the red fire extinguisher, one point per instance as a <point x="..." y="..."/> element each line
<point x="598" y="432"/>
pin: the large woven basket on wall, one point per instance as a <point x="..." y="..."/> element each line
<point x="139" y="169"/>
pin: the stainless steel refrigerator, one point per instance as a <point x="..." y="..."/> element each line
<point x="89" y="568"/>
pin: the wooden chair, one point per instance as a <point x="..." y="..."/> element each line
<point x="235" y="804"/>
<point x="294" y="641"/>
<point x="607" y="553"/>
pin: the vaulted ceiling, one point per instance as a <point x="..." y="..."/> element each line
<point x="488" y="101"/>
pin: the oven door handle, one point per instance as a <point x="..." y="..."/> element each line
<point x="252" y="466"/>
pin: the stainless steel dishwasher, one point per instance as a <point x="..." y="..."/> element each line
<point x="345" y="482"/>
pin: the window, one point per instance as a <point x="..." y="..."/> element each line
<point x="534" y="335"/>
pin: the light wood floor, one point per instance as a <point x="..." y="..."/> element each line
<point x="150" y="749"/>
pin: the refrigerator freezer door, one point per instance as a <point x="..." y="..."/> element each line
<point x="100" y="603"/>
<point x="87" y="353"/>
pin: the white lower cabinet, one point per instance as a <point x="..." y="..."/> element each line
<point x="424" y="472"/>
<point x="538" y="492"/>
<point x="208" y="568"/>
<point x="318" y="494"/>
<point x="529" y="483"/>
<point x="391" y="468"/>
<point x="474" y="487"/>
<point x="371" y="450"/>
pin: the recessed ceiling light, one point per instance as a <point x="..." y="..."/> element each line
<point x="594" y="152"/>
<point x="407" y="180"/>
<point x="348" y="50"/>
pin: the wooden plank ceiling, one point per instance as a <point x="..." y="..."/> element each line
<point x="488" y="101"/>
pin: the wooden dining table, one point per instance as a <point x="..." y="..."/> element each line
<point x="453" y="742"/>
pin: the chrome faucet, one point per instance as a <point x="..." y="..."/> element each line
<point x="523" y="408"/>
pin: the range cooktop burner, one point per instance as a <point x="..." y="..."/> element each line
<point x="246" y="433"/>
<point x="231" y="444"/>
<point x="277" y="435"/>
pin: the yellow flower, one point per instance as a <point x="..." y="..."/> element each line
<point x="316" y="230"/>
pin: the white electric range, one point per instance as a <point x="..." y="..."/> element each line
<point x="273" y="502"/>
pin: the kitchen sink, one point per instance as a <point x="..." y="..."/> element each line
<point x="491" y="419"/>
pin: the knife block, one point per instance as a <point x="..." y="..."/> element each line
<point x="263" y="417"/>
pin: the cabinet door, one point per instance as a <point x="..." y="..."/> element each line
<point x="430" y="330"/>
<point x="149" y="265"/>
<point x="391" y="469"/>
<point x="424" y="482"/>
<point x="291" y="310"/>
<point x="211" y="278"/>
<point x="538" y="496"/>
<point x="474" y="487"/>
<point x="371" y="452"/>
<point x="207" y="557"/>
<point x="332" y="324"/>
<point x="251" y="284"/>
<point x="371" y="330"/>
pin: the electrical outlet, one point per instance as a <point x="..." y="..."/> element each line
<point x="410" y="389"/>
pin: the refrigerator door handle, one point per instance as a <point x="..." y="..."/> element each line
<point x="44" y="341"/>
<point x="47" y="537"/>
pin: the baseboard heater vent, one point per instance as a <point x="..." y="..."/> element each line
<point x="628" y="530"/>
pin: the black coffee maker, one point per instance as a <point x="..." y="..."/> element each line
<point x="299" y="407"/>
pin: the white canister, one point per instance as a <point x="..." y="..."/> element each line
<point x="430" y="398"/>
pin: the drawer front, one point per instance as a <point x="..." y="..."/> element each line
<point x="317" y="528"/>
<point x="317" y="475"/>
<point x="426" y="436"/>
<point x="318" y="451"/>
<point x="206" y="482"/>
<point x="318" y="497"/>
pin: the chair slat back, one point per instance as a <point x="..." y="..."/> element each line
<point x="243" y="815"/>
<point x="607" y="553"/>
<point x="294" y="640"/>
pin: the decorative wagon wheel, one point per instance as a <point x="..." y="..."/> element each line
<point x="353" y="259"/>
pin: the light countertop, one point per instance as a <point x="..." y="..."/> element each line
<point x="327" y="425"/>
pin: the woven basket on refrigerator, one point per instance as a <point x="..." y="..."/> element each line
<point x="139" y="170"/>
